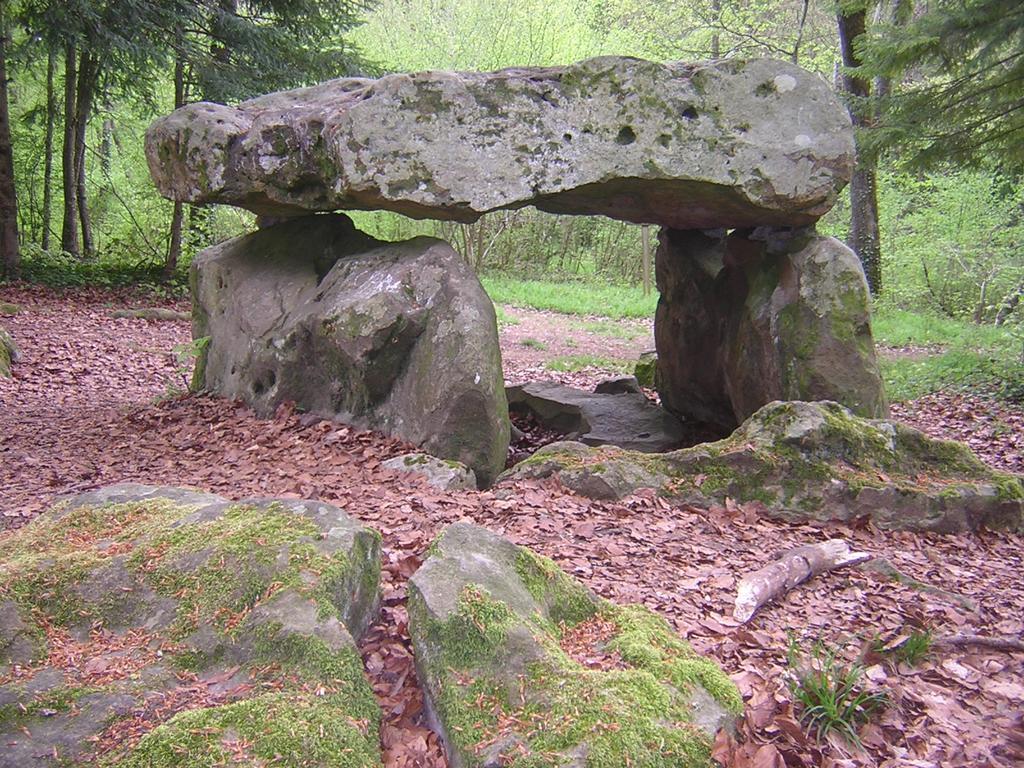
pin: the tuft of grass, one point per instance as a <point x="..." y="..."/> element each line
<point x="613" y="301"/>
<point x="533" y="343"/>
<point x="576" y="363"/>
<point x="612" y="328"/>
<point x="504" y="318"/>
<point x="830" y="694"/>
<point x="913" y="650"/>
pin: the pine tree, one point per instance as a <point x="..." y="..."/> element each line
<point x="960" y="73"/>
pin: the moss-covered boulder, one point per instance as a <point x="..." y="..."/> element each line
<point x="9" y="353"/>
<point x="158" y="627"/>
<point x="523" y="666"/>
<point x="646" y="370"/>
<point x="807" y="461"/>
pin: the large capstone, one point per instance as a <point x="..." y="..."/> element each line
<point x="754" y="316"/>
<point x="492" y="625"/>
<point x="398" y="337"/>
<point x="144" y="626"/>
<point x="712" y="144"/>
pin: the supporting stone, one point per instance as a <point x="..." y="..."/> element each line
<point x="398" y="337"/>
<point x="755" y="316"/>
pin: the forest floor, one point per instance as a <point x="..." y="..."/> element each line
<point x="96" y="400"/>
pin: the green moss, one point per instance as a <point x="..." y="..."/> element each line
<point x="61" y="699"/>
<point x="567" y="601"/>
<point x="647" y="642"/>
<point x="281" y="729"/>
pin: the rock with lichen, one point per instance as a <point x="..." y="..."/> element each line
<point x="443" y="475"/>
<point x="144" y="626"/>
<point x="750" y="317"/>
<point x="397" y="337"/>
<point x="724" y="143"/>
<point x="807" y="461"/>
<point x="501" y="636"/>
<point x="9" y="353"/>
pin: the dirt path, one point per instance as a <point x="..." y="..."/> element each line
<point x="83" y="411"/>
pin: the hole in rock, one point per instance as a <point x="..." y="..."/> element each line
<point x="626" y="135"/>
<point x="567" y="137"/>
<point x="664" y="140"/>
<point x="689" y="113"/>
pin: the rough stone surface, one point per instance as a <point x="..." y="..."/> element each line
<point x="628" y="419"/>
<point x="133" y="607"/>
<point x="398" y="337"/>
<point x="714" y="144"/>
<point x="617" y="386"/>
<point x="444" y="475"/>
<point x="807" y="461"/>
<point x="487" y="618"/>
<point x="758" y="316"/>
<point x="9" y="354"/>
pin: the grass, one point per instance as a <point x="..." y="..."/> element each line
<point x="576" y="363"/>
<point x="913" y="650"/>
<point x="830" y="694"/>
<point x="960" y="354"/>
<point x="613" y="328"/>
<point x="533" y="343"/>
<point x="612" y="301"/>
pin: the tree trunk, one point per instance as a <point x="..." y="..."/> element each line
<point x="87" y="70"/>
<point x="864" y="236"/>
<point x="10" y="255"/>
<point x="51" y="119"/>
<point x="69" y="230"/>
<point x="645" y="237"/>
<point x="174" y="247"/>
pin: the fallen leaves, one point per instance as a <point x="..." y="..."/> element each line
<point x="80" y="413"/>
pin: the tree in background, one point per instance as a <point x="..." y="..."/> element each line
<point x="958" y="93"/>
<point x="10" y="254"/>
<point x="864" y="238"/>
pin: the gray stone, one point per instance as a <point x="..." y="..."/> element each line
<point x="806" y="461"/>
<point x="252" y="596"/>
<point x="9" y="353"/>
<point x="713" y="144"/>
<point x="628" y="420"/>
<point x="618" y="385"/>
<point x="398" y="337"/>
<point x="443" y="475"/>
<point x="486" y="618"/>
<point x="751" y="317"/>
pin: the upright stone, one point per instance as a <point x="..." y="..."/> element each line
<point x="762" y="315"/>
<point x="398" y="337"/>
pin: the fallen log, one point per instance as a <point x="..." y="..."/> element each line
<point x="791" y="568"/>
<point x="983" y="641"/>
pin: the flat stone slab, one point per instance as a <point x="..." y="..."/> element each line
<point x="144" y="626"/>
<point x="624" y="419"/>
<point x="806" y="461"/>
<point x="691" y="146"/>
<point x="497" y="631"/>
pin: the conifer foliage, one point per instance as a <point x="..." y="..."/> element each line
<point x="961" y="65"/>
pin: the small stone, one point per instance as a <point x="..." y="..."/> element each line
<point x="443" y="475"/>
